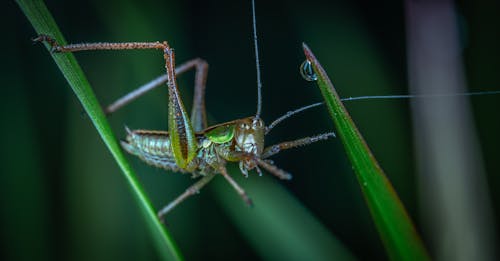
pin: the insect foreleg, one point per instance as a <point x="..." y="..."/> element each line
<point x="281" y="174"/>
<point x="192" y="190"/>
<point x="267" y="165"/>
<point x="275" y="149"/>
<point x="235" y="185"/>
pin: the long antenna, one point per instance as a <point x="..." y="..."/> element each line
<point x="257" y="63"/>
<point x="410" y="96"/>
<point x="289" y="114"/>
<point x="377" y="97"/>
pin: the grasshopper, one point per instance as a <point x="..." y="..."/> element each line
<point x="190" y="145"/>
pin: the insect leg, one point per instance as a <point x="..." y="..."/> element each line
<point x="259" y="161"/>
<point x="69" y="48"/>
<point x="201" y="69"/>
<point x="198" y="112"/>
<point x="192" y="190"/>
<point x="182" y="135"/>
<point x="184" y="143"/>
<point x="281" y="174"/>
<point x="275" y="149"/>
<point x="235" y="185"/>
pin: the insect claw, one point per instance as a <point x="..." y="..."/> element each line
<point x="37" y="39"/>
<point x="248" y="201"/>
<point x="258" y="171"/>
<point x="243" y="169"/>
<point x="55" y="48"/>
<point x="274" y="170"/>
<point x="162" y="220"/>
<point x="269" y="161"/>
<point x="161" y="217"/>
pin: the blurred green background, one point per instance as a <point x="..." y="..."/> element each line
<point x="62" y="196"/>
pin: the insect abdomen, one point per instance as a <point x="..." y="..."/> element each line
<point x="153" y="147"/>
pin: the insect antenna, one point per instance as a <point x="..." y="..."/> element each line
<point x="411" y="96"/>
<point x="377" y="97"/>
<point x="257" y="63"/>
<point x="290" y="114"/>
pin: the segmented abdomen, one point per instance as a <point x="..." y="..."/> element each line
<point x="153" y="147"/>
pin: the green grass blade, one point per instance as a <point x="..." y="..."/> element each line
<point x="43" y="23"/>
<point x="393" y="223"/>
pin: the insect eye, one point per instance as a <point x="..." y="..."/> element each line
<point x="307" y="72"/>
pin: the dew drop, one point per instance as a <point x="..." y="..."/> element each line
<point x="307" y="72"/>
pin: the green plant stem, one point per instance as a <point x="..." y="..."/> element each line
<point x="393" y="223"/>
<point x="43" y="23"/>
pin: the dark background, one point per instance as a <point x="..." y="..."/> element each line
<point x="62" y="194"/>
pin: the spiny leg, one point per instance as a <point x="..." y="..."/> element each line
<point x="183" y="138"/>
<point x="281" y="174"/>
<point x="198" y="114"/>
<point x="266" y="164"/>
<point x="57" y="48"/>
<point x="192" y="190"/>
<point x="275" y="149"/>
<point x="235" y="185"/>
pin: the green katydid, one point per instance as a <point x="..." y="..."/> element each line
<point x="190" y="146"/>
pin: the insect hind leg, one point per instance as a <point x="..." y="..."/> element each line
<point x="201" y="66"/>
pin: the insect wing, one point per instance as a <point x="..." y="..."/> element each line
<point x="221" y="134"/>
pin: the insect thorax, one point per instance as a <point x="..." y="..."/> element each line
<point x="216" y="145"/>
<point x="154" y="148"/>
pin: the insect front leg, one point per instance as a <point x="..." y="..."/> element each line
<point x="277" y="148"/>
<point x="235" y="185"/>
<point x="257" y="161"/>
<point x="192" y="190"/>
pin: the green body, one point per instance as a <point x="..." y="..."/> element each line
<point x="189" y="146"/>
<point x="231" y="141"/>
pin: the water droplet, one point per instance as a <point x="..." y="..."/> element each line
<point x="307" y="72"/>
